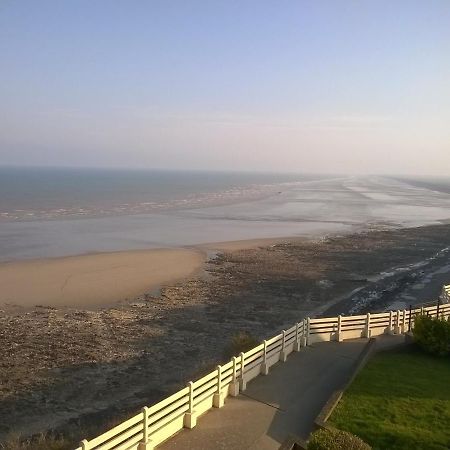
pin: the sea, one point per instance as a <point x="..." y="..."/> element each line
<point x="52" y="212"/>
<point x="55" y="193"/>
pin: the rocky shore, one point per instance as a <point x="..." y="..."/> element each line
<point x="70" y="369"/>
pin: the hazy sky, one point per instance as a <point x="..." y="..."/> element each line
<point x="310" y="86"/>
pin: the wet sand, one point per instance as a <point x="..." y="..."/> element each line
<point x="103" y="279"/>
<point x="94" y="280"/>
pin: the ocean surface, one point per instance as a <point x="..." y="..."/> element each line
<point x="51" y="193"/>
<point x="58" y="212"/>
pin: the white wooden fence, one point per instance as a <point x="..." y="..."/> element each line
<point x="159" y="422"/>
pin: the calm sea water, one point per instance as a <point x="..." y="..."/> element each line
<point x="49" y="193"/>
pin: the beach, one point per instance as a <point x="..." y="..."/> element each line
<point x="96" y="261"/>
<point x="94" y="280"/>
<point x="81" y="367"/>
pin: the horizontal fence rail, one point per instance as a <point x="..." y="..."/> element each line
<point x="157" y="423"/>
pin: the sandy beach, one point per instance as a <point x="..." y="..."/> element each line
<point x="94" y="280"/>
<point x="103" y="279"/>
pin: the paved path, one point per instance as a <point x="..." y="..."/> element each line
<point x="273" y="407"/>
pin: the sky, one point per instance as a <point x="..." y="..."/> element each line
<point x="337" y="86"/>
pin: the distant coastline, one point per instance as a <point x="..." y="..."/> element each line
<point x="439" y="184"/>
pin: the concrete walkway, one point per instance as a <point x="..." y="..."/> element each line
<point x="275" y="406"/>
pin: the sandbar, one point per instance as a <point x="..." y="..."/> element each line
<point x="94" y="279"/>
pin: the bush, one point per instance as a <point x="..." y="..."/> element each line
<point x="241" y="342"/>
<point x="336" y="440"/>
<point x="41" y="442"/>
<point x="432" y="334"/>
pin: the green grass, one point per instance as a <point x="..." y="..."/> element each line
<point x="400" y="400"/>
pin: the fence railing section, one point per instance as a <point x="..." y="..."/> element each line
<point x="445" y="295"/>
<point x="157" y="423"/>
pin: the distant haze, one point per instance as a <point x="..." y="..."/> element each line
<point x="305" y="86"/>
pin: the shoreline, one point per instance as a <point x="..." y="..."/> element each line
<point x="82" y="281"/>
<point x="96" y="279"/>
<point x="308" y="209"/>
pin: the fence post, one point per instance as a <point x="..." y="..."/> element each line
<point x="297" y="344"/>
<point x="190" y="418"/>
<point x="409" y="321"/>
<point x="283" y="353"/>
<point x="367" y="327"/>
<point x="308" y="326"/>
<point x="145" y="444"/>
<point x="445" y="311"/>
<point x="303" y="340"/>
<point x="397" y="323"/>
<point x="339" y="335"/>
<point x="84" y="444"/>
<point x="264" y="365"/>
<point x="243" y="381"/>
<point x="437" y="309"/>
<point x="218" y="398"/>
<point x="390" y="329"/>
<point x="404" y="322"/>
<point x="234" y="385"/>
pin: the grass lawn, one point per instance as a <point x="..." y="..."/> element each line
<point x="400" y="400"/>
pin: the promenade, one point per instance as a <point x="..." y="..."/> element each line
<point x="276" y="406"/>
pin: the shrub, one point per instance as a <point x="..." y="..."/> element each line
<point x="41" y="442"/>
<point x="432" y="334"/>
<point x="240" y="342"/>
<point x="336" y="440"/>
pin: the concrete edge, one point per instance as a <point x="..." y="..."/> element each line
<point x="293" y="443"/>
<point x="408" y="340"/>
<point x="330" y="405"/>
<point x="361" y="361"/>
